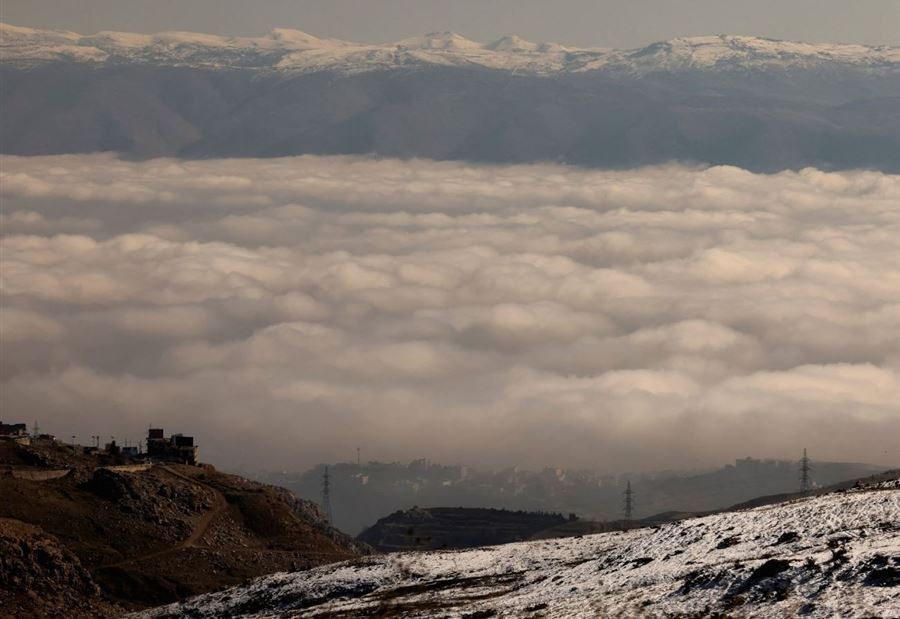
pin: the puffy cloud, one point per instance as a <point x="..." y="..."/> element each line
<point x="288" y="310"/>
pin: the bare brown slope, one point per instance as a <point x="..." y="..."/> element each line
<point x="161" y="535"/>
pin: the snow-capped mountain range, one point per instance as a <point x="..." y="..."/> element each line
<point x="293" y="51"/>
<point x="836" y="555"/>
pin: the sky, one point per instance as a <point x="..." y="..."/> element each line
<point x="606" y="23"/>
<point x="286" y="311"/>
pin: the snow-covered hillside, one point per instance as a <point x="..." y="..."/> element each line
<point x="293" y="51"/>
<point x="830" y="556"/>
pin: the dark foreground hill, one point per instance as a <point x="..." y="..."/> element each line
<point x="95" y="538"/>
<point x="454" y="527"/>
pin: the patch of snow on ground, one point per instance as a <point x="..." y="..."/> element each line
<point x="830" y="556"/>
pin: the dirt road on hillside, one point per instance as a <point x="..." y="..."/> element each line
<point x="201" y="528"/>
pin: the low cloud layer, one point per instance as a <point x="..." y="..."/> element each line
<point x="287" y="311"/>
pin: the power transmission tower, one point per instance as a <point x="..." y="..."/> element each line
<point x="804" y="473"/>
<point x="629" y="502"/>
<point x="326" y="495"/>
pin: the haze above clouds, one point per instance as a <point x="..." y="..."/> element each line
<point x="287" y="310"/>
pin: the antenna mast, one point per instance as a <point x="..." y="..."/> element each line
<point x="804" y="473"/>
<point x="629" y="502"/>
<point x="326" y="495"/>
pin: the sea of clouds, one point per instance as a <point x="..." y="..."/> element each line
<point x="286" y="311"/>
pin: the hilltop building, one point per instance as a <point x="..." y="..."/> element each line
<point x="16" y="432"/>
<point x="13" y="429"/>
<point x="176" y="448"/>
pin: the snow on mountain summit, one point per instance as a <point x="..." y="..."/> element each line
<point x="293" y="51"/>
<point x="298" y="39"/>
<point x="445" y="41"/>
<point x="512" y="44"/>
<point x="717" y="51"/>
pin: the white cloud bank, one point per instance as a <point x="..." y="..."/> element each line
<point x="288" y="310"/>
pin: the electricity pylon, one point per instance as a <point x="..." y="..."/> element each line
<point x="804" y="473"/>
<point x="629" y="502"/>
<point x="326" y="495"/>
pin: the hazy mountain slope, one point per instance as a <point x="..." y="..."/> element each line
<point x="759" y="104"/>
<point x="827" y="556"/>
<point x="445" y="113"/>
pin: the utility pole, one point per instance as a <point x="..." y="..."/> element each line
<point x="326" y="495"/>
<point x="804" y="473"/>
<point x="629" y="502"/>
<point x="357" y="457"/>
<point x="36" y="430"/>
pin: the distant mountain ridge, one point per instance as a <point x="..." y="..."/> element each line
<point x="293" y="51"/>
<point x="754" y="103"/>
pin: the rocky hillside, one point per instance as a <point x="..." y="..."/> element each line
<point x="454" y="527"/>
<point x="148" y="537"/>
<point x="835" y="555"/>
<point x="41" y="578"/>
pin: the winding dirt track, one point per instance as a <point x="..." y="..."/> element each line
<point x="200" y="528"/>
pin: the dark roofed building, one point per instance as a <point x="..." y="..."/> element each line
<point x="13" y="429"/>
<point x="177" y="448"/>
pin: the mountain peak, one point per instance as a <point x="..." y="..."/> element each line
<point x="512" y="43"/>
<point x="299" y="39"/>
<point x="439" y="41"/>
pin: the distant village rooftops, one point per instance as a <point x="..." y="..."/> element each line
<point x="177" y="448"/>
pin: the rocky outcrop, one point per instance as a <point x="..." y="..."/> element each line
<point x="149" y="537"/>
<point x="41" y="578"/>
